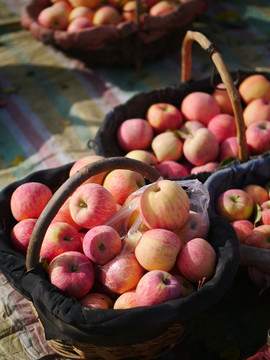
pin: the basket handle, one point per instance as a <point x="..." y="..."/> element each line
<point x="216" y="57"/>
<point x="70" y="185"/>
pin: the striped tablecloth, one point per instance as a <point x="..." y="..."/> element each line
<point x="51" y="106"/>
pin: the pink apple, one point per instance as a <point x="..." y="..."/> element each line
<point x="21" y="234"/>
<point x="157" y="249"/>
<point x="143" y="155"/>
<point x="258" y="137"/>
<point x="91" y="205"/>
<point x="126" y="300"/>
<point x="53" y="17"/>
<point x="122" y="182"/>
<point x="258" y="193"/>
<point x="210" y="166"/>
<point x="163" y="7"/>
<point x="72" y="273"/>
<point x="135" y="134"/>
<point x="164" y="204"/>
<point x="92" y="4"/>
<point x="79" y="24"/>
<point x="157" y="287"/>
<point x="229" y="148"/>
<point x="85" y="160"/>
<point x="259" y="237"/>
<point x="254" y="87"/>
<point x="81" y="11"/>
<point x="171" y="169"/>
<point x="188" y="128"/>
<point x="242" y="229"/>
<point x="164" y="116"/>
<point x="222" y="98"/>
<point x="65" y="5"/>
<point x="222" y="126"/>
<point x="201" y="148"/>
<point x="101" y="244"/>
<point x="29" y="200"/>
<point x="97" y="301"/>
<point x="257" y="109"/>
<point x="234" y="204"/>
<point x="63" y="215"/>
<point x="199" y="106"/>
<point x="265" y="215"/>
<point x="107" y="15"/>
<point x="167" y="146"/>
<point x="59" y="237"/>
<point x="197" y="260"/>
<point x="195" y="226"/>
<point x="122" y="273"/>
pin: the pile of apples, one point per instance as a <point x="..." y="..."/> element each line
<point x="74" y="15"/>
<point x="200" y="134"/>
<point x="94" y="252"/>
<point x="248" y="211"/>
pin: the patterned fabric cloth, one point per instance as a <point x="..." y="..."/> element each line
<point x="51" y="106"/>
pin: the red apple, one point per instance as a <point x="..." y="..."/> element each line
<point x="210" y="166"/>
<point x="143" y="155"/>
<point x="157" y="287"/>
<point x="78" y="24"/>
<point x="59" y="237"/>
<point x="199" y="106"/>
<point x="65" y="5"/>
<point x="101" y="244"/>
<point x="167" y="146"/>
<point x="85" y="160"/>
<point x="164" y="204"/>
<point x="91" y="205"/>
<point x="259" y="237"/>
<point x="163" y="7"/>
<point x="258" y="137"/>
<point x="63" y="215"/>
<point x="265" y="215"/>
<point x="107" y="15"/>
<point x="257" y="109"/>
<point x="21" y="234"/>
<point x="171" y="169"/>
<point x="242" y="229"/>
<point x="222" y="126"/>
<point x="135" y="134"/>
<point x="188" y="128"/>
<point x="122" y="273"/>
<point x="229" y="148"/>
<point x="92" y="4"/>
<point x="97" y="301"/>
<point x="195" y="226"/>
<point x="29" y="200"/>
<point x="201" y="148"/>
<point x="81" y="11"/>
<point x="73" y="273"/>
<point x="164" y="116"/>
<point x="157" y="249"/>
<point x="197" y="260"/>
<point x="253" y="87"/>
<point x="53" y="17"/>
<point x="121" y="183"/>
<point x="234" y="204"/>
<point x="221" y="96"/>
<point x="258" y="193"/>
<point x="126" y="300"/>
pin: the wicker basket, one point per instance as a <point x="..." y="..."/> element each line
<point x="105" y="142"/>
<point x="127" y="44"/>
<point x="74" y="331"/>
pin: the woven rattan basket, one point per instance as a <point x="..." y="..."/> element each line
<point x="105" y="142"/>
<point x="72" y="330"/>
<point x="127" y="44"/>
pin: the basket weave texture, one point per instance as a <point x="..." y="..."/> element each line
<point x="77" y="332"/>
<point x="127" y="44"/>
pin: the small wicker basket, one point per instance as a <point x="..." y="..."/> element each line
<point x="74" y="331"/>
<point x="127" y="44"/>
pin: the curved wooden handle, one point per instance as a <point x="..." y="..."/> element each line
<point x="216" y="57"/>
<point x="70" y="185"/>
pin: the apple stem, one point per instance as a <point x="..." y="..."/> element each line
<point x="201" y="282"/>
<point x="234" y="96"/>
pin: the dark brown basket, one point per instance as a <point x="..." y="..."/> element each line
<point x="127" y="44"/>
<point x="105" y="142"/>
<point x="77" y="333"/>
